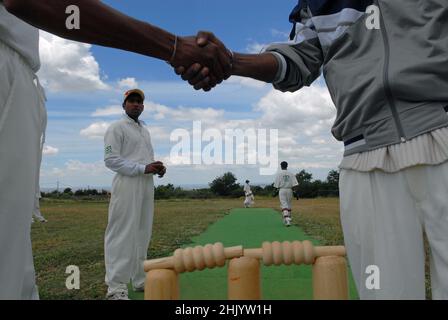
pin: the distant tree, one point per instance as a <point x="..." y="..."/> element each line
<point x="67" y="192"/>
<point x="79" y="193"/>
<point x="333" y="183"/>
<point x="226" y="185"/>
<point x="333" y="178"/>
<point x="304" y="177"/>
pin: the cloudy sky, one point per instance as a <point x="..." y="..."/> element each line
<point x="85" y="84"/>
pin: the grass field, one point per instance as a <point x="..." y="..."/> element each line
<point x="75" y="232"/>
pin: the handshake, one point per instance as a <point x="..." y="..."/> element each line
<point x="203" y="61"/>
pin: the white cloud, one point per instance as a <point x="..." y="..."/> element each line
<point x="108" y="111"/>
<point x="280" y="34"/>
<point x="127" y="83"/>
<point x="255" y="47"/>
<point x="158" y="112"/>
<point x="183" y="114"/>
<point x="50" y="151"/>
<point x="95" y="130"/>
<point x="304" y="106"/>
<point x="159" y="135"/>
<point x="247" y="82"/>
<point x="68" y="66"/>
<point x="75" y="166"/>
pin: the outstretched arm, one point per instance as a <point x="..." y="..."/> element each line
<point x="105" y="26"/>
<point x="263" y="67"/>
<point x="288" y="66"/>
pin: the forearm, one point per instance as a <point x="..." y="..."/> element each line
<point x="100" y="25"/>
<point x="124" y="167"/>
<point x="263" y="67"/>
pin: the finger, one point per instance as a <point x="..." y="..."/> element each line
<point x="179" y="70"/>
<point x="203" y="38"/>
<point x="204" y="73"/>
<point x="204" y="83"/>
<point x="213" y="81"/>
<point x="225" y="56"/>
<point x="192" y="72"/>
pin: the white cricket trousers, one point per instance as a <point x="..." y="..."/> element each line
<point x="249" y="200"/>
<point x="22" y="123"/>
<point x="128" y="233"/>
<point x="285" y="196"/>
<point x="384" y="216"/>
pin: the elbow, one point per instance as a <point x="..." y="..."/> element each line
<point x="108" y="163"/>
<point x="17" y="7"/>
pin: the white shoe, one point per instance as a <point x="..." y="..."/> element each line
<point x="118" y="295"/>
<point x="139" y="289"/>
<point x="287" y="221"/>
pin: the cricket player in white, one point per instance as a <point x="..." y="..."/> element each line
<point x="36" y="212"/>
<point x="22" y="119"/>
<point x="129" y="152"/>
<point x="285" y="181"/>
<point x="249" y="196"/>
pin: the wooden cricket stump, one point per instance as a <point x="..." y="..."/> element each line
<point x="330" y="279"/>
<point x="162" y="284"/>
<point x="243" y="279"/>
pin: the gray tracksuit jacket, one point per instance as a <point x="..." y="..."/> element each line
<point x="385" y="63"/>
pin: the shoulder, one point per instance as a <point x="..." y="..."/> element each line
<point x="115" y="126"/>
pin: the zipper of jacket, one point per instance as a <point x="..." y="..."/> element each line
<point x="387" y="88"/>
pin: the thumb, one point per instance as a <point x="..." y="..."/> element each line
<point x="203" y="37"/>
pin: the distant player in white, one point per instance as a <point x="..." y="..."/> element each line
<point x="249" y="200"/>
<point x="285" y="181"/>
<point x="36" y="211"/>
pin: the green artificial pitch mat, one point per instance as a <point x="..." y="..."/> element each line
<point x="250" y="228"/>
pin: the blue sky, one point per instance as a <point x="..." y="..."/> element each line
<point x="84" y="86"/>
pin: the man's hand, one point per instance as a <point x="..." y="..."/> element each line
<point x="162" y="172"/>
<point x="262" y="67"/>
<point x="200" y="75"/>
<point x="154" y="168"/>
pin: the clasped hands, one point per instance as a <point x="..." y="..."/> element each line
<point x="203" y="61"/>
<point x="156" y="168"/>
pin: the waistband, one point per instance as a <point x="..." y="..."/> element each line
<point x="382" y="133"/>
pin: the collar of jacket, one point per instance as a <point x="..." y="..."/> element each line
<point x="140" y="123"/>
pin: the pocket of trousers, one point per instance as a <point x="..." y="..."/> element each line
<point x="8" y="83"/>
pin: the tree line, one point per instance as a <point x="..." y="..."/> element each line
<point x="223" y="186"/>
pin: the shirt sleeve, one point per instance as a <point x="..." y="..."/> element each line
<point x="295" y="183"/>
<point x="113" y="141"/>
<point x="300" y="60"/>
<point x="277" y="182"/>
